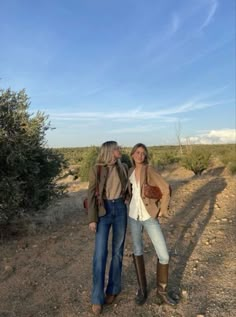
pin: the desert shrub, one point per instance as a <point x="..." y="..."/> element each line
<point x="89" y="159"/>
<point x="196" y="160"/>
<point x="27" y="167"/>
<point x="228" y="158"/>
<point x="232" y="167"/>
<point x="73" y="155"/>
<point x="167" y="158"/>
<point x="163" y="158"/>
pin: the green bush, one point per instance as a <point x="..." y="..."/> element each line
<point x="196" y="160"/>
<point x="228" y="158"/>
<point x="73" y="155"/>
<point x="89" y="159"/>
<point x="232" y="167"/>
<point x="27" y="167"/>
<point x="163" y="158"/>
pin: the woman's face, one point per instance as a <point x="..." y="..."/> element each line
<point x="117" y="152"/>
<point x="139" y="155"/>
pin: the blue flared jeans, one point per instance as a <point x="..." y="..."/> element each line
<point x="154" y="231"/>
<point x="115" y="218"/>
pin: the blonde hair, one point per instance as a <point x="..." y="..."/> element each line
<point x="136" y="146"/>
<point x="105" y="155"/>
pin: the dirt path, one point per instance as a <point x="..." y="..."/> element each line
<point x="49" y="274"/>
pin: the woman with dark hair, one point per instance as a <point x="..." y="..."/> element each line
<point x="144" y="213"/>
<point x="107" y="209"/>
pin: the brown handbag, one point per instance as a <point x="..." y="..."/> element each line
<point x="85" y="202"/>
<point x="149" y="191"/>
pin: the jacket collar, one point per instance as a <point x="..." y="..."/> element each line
<point x="142" y="174"/>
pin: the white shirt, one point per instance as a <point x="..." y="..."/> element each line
<point x="137" y="208"/>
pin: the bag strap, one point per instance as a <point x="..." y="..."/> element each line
<point x="146" y="174"/>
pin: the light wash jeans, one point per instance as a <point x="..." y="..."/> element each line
<point x="154" y="231"/>
<point x="115" y="218"/>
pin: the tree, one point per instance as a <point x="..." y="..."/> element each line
<point x="27" y="167"/>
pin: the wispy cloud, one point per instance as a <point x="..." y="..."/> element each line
<point x="163" y="114"/>
<point x="168" y="43"/>
<point x="94" y="91"/>
<point x="210" y="15"/>
<point x="163" y="36"/>
<point x="213" y="136"/>
<point x="136" y="129"/>
<point x="196" y="57"/>
<point x="175" y="23"/>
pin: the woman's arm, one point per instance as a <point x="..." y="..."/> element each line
<point x="92" y="204"/>
<point x="156" y="179"/>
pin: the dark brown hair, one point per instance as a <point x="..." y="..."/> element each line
<point x="136" y="146"/>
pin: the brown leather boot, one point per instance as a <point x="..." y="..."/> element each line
<point x="141" y="295"/>
<point x="162" y="281"/>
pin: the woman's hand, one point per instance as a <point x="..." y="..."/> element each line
<point x="163" y="215"/>
<point x="93" y="226"/>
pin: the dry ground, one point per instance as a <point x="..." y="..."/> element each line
<point x="48" y="272"/>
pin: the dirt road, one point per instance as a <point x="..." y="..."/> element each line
<point x="49" y="273"/>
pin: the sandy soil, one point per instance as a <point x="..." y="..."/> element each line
<point x="48" y="273"/>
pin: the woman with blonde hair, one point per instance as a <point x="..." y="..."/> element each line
<point x="143" y="214"/>
<point x="107" y="209"/>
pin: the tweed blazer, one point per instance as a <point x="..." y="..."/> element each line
<point x="98" y="210"/>
<point x="153" y="207"/>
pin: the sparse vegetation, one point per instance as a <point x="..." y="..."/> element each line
<point x="196" y="159"/>
<point x="228" y="158"/>
<point x="160" y="157"/>
<point x="88" y="161"/>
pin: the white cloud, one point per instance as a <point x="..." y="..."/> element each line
<point x="212" y="136"/>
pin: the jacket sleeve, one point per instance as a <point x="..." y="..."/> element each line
<point x="92" y="205"/>
<point x="156" y="179"/>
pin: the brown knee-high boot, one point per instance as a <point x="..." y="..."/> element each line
<point x="162" y="282"/>
<point x="141" y="295"/>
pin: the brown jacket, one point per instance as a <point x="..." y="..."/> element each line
<point x="95" y="211"/>
<point x="155" y="179"/>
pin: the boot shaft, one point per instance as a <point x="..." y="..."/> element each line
<point x="140" y="270"/>
<point x="162" y="282"/>
<point x="162" y="273"/>
<point x="141" y="295"/>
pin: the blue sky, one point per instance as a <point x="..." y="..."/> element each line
<point x="128" y="70"/>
